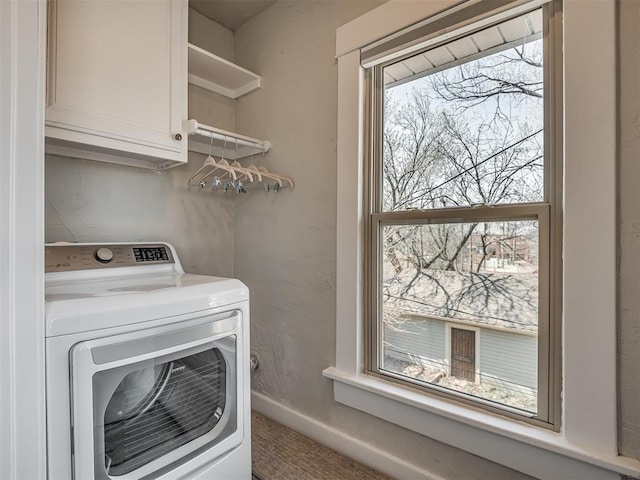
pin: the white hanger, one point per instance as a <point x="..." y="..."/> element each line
<point x="275" y="176"/>
<point x="245" y="173"/>
<point x="222" y="164"/>
<point x="254" y="170"/>
<point x="208" y="162"/>
<point x="214" y="165"/>
<point x="288" y="180"/>
<point x="266" y="173"/>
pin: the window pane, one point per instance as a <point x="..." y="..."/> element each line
<point x="460" y="308"/>
<point x="463" y="123"/>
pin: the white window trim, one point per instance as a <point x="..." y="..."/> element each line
<point x="22" y="375"/>
<point x="586" y="446"/>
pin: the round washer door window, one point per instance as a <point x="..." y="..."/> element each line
<point x="155" y="409"/>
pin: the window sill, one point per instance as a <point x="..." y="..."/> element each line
<point x="528" y="449"/>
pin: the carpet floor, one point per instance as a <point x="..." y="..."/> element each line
<point x="279" y="453"/>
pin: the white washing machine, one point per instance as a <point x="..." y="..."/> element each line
<point x="147" y="366"/>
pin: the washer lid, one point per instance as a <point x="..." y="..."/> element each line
<point x="93" y="304"/>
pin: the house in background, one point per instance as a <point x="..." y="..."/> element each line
<point x="295" y="325"/>
<point x="452" y="324"/>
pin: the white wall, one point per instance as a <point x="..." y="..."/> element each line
<point x="91" y="201"/>
<point x="285" y="243"/>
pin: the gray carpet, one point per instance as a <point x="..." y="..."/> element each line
<point x="279" y="453"/>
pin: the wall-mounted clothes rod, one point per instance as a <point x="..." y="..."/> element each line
<point x="221" y="170"/>
<point x="222" y="143"/>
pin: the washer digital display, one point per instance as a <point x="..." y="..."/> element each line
<point x="150" y="254"/>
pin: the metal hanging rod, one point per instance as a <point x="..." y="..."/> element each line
<point x="211" y="140"/>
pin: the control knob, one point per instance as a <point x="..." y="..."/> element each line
<point x="104" y="255"/>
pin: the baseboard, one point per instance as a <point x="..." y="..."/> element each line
<point x="339" y="441"/>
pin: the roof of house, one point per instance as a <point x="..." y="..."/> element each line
<point x="502" y="300"/>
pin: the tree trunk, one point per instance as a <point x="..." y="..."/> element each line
<point x="459" y="248"/>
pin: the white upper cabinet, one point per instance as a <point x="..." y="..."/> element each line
<point x="117" y="81"/>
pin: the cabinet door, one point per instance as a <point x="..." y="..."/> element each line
<point x="117" y="80"/>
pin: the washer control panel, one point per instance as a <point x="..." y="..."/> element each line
<point x="66" y="257"/>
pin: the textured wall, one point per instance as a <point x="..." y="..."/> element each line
<point x="629" y="227"/>
<point x="94" y="202"/>
<point x="89" y="201"/>
<point x="209" y="35"/>
<point x="285" y="242"/>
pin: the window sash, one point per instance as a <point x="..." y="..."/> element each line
<point x="548" y="214"/>
<point x="516" y="211"/>
<point x="537" y="212"/>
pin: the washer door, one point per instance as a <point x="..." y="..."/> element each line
<point x="135" y="393"/>
<point x="152" y="403"/>
<point x="160" y="407"/>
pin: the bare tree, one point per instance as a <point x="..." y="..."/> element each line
<point x="433" y="160"/>
<point x="515" y="73"/>
<point x="410" y="152"/>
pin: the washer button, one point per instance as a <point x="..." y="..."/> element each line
<point x="104" y="255"/>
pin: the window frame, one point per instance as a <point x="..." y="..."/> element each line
<point x="546" y="211"/>
<point x="586" y="446"/>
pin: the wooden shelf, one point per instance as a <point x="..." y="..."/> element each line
<point x="218" y="75"/>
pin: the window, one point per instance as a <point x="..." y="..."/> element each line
<point x="463" y="219"/>
<point x="585" y="113"/>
